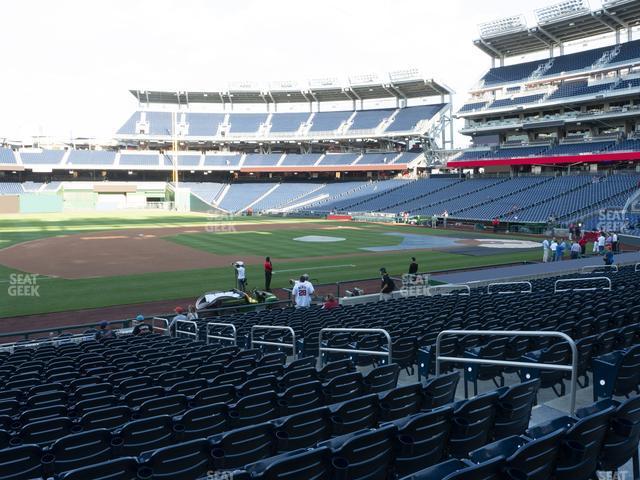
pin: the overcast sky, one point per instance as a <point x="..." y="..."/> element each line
<point x="68" y="64"/>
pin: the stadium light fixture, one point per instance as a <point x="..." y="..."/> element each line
<point x="130" y="172"/>
<point x="567" y="8"/>
<point x="502" y="26"/>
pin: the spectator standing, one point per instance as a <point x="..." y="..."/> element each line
<point x="554" y="250"/>
<point x="608" y="257"/>
<point x="583" y="245"/>
<point x="241" y="275"/>
<point x="495" y="222"/>
<point x="545" y="250"/>
<point x="601" y="242"/>
<point x="413" y="266"/>
<point x="614" y="242"/>
<point x="268" y="273"/>
<point x="191" y="313"/>
<point x="387" y="286"/>
<point x="302" y="292"/>
<point x="179" y="315"/>
<point x="575" y="250"/>
<point x="562" y="246"/>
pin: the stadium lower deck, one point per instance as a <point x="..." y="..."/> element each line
<point x="193" y="406"/>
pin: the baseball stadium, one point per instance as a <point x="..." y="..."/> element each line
<point x="348" y="276"/>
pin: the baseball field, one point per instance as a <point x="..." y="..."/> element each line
<point x="71" y="262"/>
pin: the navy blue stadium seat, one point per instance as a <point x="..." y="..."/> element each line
<point x="313" y="464"/>
<point x="185" y="460"/>
<point x="472" y="424"/>
<point x="78" y="450"/>
<point x="616" y="373"/>
<point x="303" y="430"/>
<point x="124" y="468"/>
<point x="142" y="435"/>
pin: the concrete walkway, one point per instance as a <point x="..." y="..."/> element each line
<point x="531" y="271"/>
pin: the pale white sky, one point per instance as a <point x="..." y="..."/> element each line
<point x="68" y="64"/>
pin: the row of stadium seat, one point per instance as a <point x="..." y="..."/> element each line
<point x="288" y="124"/>
<point x="625" y="52"/>
<point x="99" y="159"/>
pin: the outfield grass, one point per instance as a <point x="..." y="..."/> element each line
<point x="57" y="294"/>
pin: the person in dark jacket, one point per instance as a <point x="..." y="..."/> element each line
<point x="387" y="286"/>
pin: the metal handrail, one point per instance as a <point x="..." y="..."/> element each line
<point x="604" y="268"/>
<point x="159" y="319"/>
<point x="435" y="288"/>
<point x="510" y="283"/>
<point x="354" y="350"/>
<point x="565" y="280"/>
<point x="77" y="338"/>
<point x="291" y="345"/>
<point x="193" y="334"/>
<point x="573" y="368"/>
<point x="233" y="339"/>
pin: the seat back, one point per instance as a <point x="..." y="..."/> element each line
<point x="514" y="407"/>
<point x="78" y="450"/>
<point x="422" y="440"/>
<point x="472" y="424"/>
<point x="142" y="435"/>
<point x="184" y="460"/>
<point x="537" y="459"/>
<point x="303" y="430"/>
<point x="125" y="468"/>
<point x="241" y="446"/>
<point x="382" y="378"/>
<point x="441" y="390"/>
<point x="201" y="422"/>
<point x="301" y="398"/>
<point x="355" y="415"/>
<point x="400" y="402"/>
<point x="312" y="464"/>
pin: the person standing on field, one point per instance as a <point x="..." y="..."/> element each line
<point x="268" y="273"/>
<point x="545" y="250"/>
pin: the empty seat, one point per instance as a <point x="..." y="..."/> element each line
<point x="22" y="462"/>
<point x="254" y="409"/>
<point x="300" y="464"/>
<point x="241" y="446"/>
<point x="382" y="378"/>
<point x="513" y="410"/>
<point x="185" y="460"/>
<point x="125" y="468"/>
<point x="142" y="435"/>
<point x="473" y="424"/>
<point x="355" y="414"/>
<point x="421" y="440"/>
<point x="363" y="455"/>
<point x="303" y="430"/>
<point x="78" y="450"/>
<point x="201" y="422"/>
<point x="461" y="470"/>
<point x="301" y="398"/>
<point x="616" y="373"/>
<point x="441" y="390"/>
<point x="169" y="405"/>
<point x="109" y="418"/>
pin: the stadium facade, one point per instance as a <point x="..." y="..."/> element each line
<point x="562" y="111"/>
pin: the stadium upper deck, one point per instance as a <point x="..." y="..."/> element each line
<point x="575" y="108"/>
<point x="368" y="111"/>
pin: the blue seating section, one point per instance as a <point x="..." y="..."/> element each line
<point x="129" y="127"/>
<point x="580" y="87"/>
<point x="91" y="157"/>
<point x="339" y="159"/>
<point x="221" y="160"/>
<point x="369" y="119"/>
<point x="328" y="121"/>
<point x="288" y="121"/>
<point x="11" y="188"/>
<point x="206" y="191"/>
<point x="156" y="407"/>
<point x="523" y="100"/>
<point x="204" y="124"/>
<point x="470" y="107"/>
<point x="7" y="157"/>
<point x="578" y="148"/>
<point x="518" y="152"/>
<point x="183" y="160"/>
<point x="246" y="122"/>
<point x="285" y="194"/>
<point x="565" y="63"/>
<point x="140" y="160"/>
<point x="241" y="195"/>
<point x="45" y="157"/>
<point x="629" y="145"/>
<point x="378" y="158"/>
<point x="262" y="159"/>
<point x="631" y="83"/>
<point x="408" y="118"/>
<point x="306" y="159"/>
<point x="160" y="123"/>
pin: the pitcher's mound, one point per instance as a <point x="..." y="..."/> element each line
<point x="319" y="239"/>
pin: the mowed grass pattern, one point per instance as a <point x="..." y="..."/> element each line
<point x="282" y="243"/>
